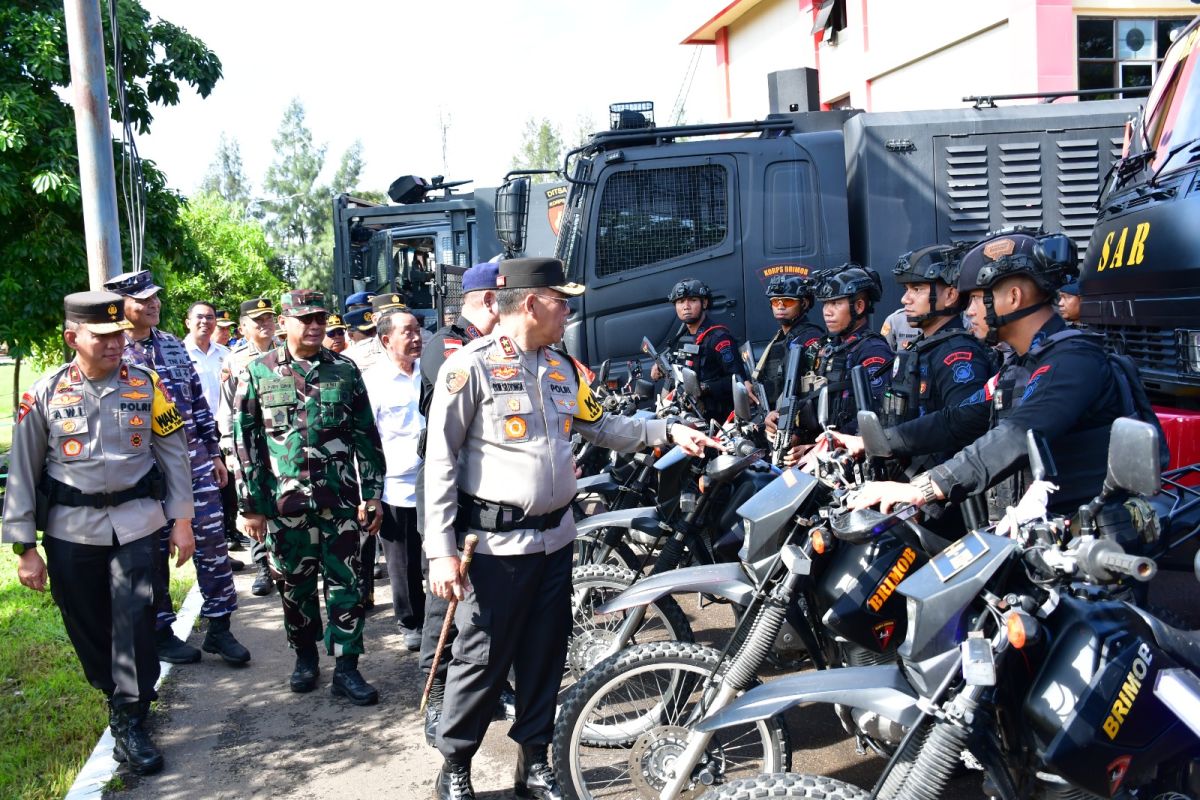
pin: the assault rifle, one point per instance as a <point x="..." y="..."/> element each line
<point x="787" y="408"/>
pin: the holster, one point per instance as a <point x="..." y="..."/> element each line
<point x="42" y="503"/>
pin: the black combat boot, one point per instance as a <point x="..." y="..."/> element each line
<point x="348" y="682"/>
<point x="172" y="649"/>
<point x="220" y="640"/>
<point x="308" y="669"/>
<point x="235" y="565"/>
<point x="534" y="777"/>
<point x="132" y="744"/>
<point x="506" y="704"/>
<point x="263" y="584"/>
<point x="454" y="781"/>
<point x="236" y="540"/>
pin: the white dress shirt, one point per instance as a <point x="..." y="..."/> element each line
<point x="208" y="367"/>
<point x="395" y="402"/>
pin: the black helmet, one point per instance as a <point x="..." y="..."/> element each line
<point x="1051" y="260"/>
<point x="689" y="287"/>
<point x="796" y="286"/>
<point x="849" y="280"/>
<point x="937" y="262"/>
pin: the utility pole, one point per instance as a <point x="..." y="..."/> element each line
<point x="97" y="178"/>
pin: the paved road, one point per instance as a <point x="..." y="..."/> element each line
<point x="239" y="732"/>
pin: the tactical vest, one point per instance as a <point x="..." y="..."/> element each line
<point x="832" y="363"/>
<point x="904" y="398"/>
<point x="686" y="352"/>
<point x="770" y="368"/>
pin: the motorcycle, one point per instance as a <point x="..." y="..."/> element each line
<point x="1026" y="658"/>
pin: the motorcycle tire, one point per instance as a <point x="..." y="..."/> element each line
<point x="592" y="633"/>
<point x="621" y="728"/>
<point x="787" y="784"/>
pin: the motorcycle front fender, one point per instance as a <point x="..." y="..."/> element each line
<point x="600" y="483"/>
<point x="723" y="580"/>
<point x="881" y="689"/>
<point x="644" y="518"/>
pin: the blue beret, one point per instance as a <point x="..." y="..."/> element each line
<point x="480" y="276"/>
<point x="358" y="299"/>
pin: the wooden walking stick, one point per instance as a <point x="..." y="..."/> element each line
<point x="468" y="554"/>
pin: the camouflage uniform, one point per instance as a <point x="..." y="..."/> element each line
<point x="166" y="355"/>
<point x="239" y="357"/>
<point x="307" y="447"/>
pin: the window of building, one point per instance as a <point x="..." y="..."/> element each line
<point x="653" y="215"/>
<point x="1123" y="52"/>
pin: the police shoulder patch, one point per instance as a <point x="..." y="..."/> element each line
<point x="27" y="403"/>
<point x="456" y="379"/>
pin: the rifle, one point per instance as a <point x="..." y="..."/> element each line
<point x="787" y="408"/>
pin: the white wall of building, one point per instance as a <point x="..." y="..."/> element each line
<point x="770" y="37"/>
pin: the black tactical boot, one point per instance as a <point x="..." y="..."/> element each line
<point x="534" y="777"/>
<point x="308" y="669"/>
<point x="219" y="640"/>
<point x="433" y="715"/>
<point x="172" y="649"/>
<point x="263" y="584"/>
<point x="236" y="540"/>
<point x="506" y="704"/>
<point x="454" y="782"/>
<point x="132" y="744"/>
<point x="348" y="682"/>
<point x="235" y="565"/>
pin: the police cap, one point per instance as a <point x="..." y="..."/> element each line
<point x="99" y="312"/>
<point x="138" y="285"/>
<point x="335" y="323"/>
<point x="360" y="319"/>
<point x="388" y="301"/>
<point x="358" y="299"/>
<point x="225" y="319"/>
<point x="535" y="273"/>
<point x="256" y="307"/>
<point x="479" y="277"/>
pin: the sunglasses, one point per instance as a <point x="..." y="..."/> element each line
<point x="313" y="319"/>
<point x="337" y="334"/>
<point x="784" y="302"/>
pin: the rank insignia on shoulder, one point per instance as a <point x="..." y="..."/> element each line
<point x="556" y="376"/>
<point x="567" y="426"/>
<point x="507" y="347"/>
<point x="552" y="361"/>
<point x="135" y="395"/>
<point x="456" y="379"/>
<point x="137" y="381"/>
<point x="515" y="428"/>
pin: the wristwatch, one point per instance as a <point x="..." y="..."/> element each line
<point x="371" y="508"/>
<point x="20" y="547"/>
<point x="928" y="491"/>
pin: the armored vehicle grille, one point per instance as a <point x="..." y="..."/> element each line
<point x="1152" y="348"/>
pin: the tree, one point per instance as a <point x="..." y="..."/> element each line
<point x="226" y="176"/>
<point x="298" y="206"/>
<point x="541" y="148"/>
<point x="42" y="254"/>
<point x="233" y="251"/>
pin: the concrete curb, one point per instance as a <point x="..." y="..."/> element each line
<point x="100" y="766"/>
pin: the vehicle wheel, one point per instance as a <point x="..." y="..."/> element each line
<point x="621" y="728"/>
<point x="592" y="633"/>
<point x="587" y="549"/>
<point x="788" y="784"/>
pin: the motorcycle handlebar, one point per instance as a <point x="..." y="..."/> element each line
<point x="1137" y="567"/>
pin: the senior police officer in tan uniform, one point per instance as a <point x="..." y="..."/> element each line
<point x="97" y="450"/>
<point x="499" y="464"/>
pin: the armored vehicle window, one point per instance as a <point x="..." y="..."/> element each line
<point x="653" y="215"/>
<point x="785" y="223"/>
<point x="1173" y="116"/>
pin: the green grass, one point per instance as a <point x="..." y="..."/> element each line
<point x="29" y="375"/>
<point x="51" y="718"/>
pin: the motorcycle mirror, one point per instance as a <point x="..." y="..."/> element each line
<point x="861" y="387"/>
<point x="871" y="430"/>
<point x="741" y="400"/>
<point x="643" y="389"/>
<point x="1133" y="458"/>
<point x="691" y="383"/>
<point x="1196" y="565"/>
<point x="823" y="407"/>
<point x="647" y="348"/>
<point x="1041" y="462"/>
<point x="602" y="374"/>
<point x="747" y="353"/>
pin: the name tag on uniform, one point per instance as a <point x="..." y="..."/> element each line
<point x="333" y="393"/>
<point x="277" y="392"/>
<point x="690" y="348"/>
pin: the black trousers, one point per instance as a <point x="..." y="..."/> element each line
<point x="229" y="501"/>
<point x="106" y="596"/>
<point x="405" y="564"/>
<point x="517" y="614"/>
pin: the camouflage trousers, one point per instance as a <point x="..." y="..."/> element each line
<point x="326" y="542"/>
<point x="213" y="570"/>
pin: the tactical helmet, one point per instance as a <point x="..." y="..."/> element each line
<point x="937" y="262"/>
<point x="796" y="286"/>
<point x="689" y="287"/>
<point x="850" y="280"/>
<point x="1050" y="260"/>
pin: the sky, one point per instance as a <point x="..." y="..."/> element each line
<point x="388" y="73"/>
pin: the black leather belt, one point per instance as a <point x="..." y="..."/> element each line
<point x="485" y="515"/>
<point x="150" y="485"/>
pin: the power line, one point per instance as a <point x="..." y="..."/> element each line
<point x="133" y="181"/>
<point x="685" y="86"/>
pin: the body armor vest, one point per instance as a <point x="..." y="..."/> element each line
<point x="905" y="398"/>
<point x="832" y="362"/>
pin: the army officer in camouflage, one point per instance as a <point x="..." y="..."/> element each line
<point x="310" y="478"/>
<point x="498" y="463"/>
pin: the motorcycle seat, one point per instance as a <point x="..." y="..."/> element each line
<point x="1183" y="646"/>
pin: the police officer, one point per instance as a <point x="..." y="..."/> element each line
<point x="477" y="319"/>
<point x="149" y="347"/>
<point x="506" y="404"/>
<point x="224" y="332"/>
<point x="848" y="295"/>
<point x="109" y="462"/>
<point x="1059" y="383"/>
<point x="335" y="334"/>
<point x="706" y="347"/>
<point x="1068" y="303"/>
<point x="310" y="479"/>
<point x="257" y="324"/>
<point x="944" y="367"/>
<point x="791" y="297"/>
